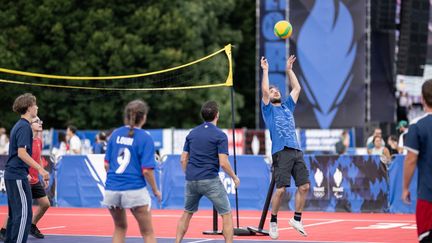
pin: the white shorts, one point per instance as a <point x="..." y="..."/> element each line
<point x="127" y="199"/>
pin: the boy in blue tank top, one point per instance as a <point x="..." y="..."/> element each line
<point x="129" y="161"/>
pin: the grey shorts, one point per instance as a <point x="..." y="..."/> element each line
<point x="213" y="189"/>
<point x="289" y="162"/>
<point x="127" y="199"/>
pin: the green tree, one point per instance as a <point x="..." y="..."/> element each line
<point x="112" y="37"/>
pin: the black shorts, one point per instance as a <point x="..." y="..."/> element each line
<point x="289" y="162"/>
<point x="37" y="190"/>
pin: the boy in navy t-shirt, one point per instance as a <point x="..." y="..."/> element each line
<point x="419" y="146"/>
<point x="17" y="170"/>
<point x="204" y="151"/>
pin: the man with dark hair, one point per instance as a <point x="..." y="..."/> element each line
<point x="17" y="170"/>
<point x="73" y="140"/>
<point x="419" y="146"/>
<point x="205" y="150"/>
<point x="286" y="152"/>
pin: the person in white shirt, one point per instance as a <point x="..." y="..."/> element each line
<point x="73" y="140"/>
<point x="4" y="141"/>
<point x="369" y="142"/>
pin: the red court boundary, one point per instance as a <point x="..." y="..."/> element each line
<point x="322" y="227"/>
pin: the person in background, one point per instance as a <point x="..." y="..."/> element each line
<point x="100" y="144"/>
<point x="4" y="142"/>
<point x="343" y="144"/>
<point x="402" y="127"/>
<point x="379" y="149"/>
<point x="73" y="140"/>
<point x="392" y="145"/>
<point x="377" y="132"/>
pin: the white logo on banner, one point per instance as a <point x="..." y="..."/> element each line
<point x="97" y="170"/>
<point x="319" y="190"/>
<point x="338" y="190"/>
<point x="227" y="182"/>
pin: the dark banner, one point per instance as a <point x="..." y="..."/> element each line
<point x="344" y="184"/>
<point x="329" y="42"/>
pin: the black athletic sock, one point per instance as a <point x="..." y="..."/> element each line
<point x="273" y="218"/>
<point x="297" y="216"/>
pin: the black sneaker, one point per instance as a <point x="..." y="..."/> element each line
<point x="35" y="232"/>
<point x="2" y="234"/>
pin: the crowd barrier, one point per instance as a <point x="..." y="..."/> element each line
<point x="338" y="183"/>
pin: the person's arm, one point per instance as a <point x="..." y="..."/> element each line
<point x="148" y="164"/>
<point x="226" y="166"/>
<point x="184" y="160"/>
<point x="24" y="156"/>
<point x="295" y="85"/>
<point x="149" y="176"/>
<point x="410" y="164"/>
<point x="387" y="154"/>
<point x="265" y="81"/>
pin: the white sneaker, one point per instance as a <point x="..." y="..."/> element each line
<point x="273" y="232"/>
<point x="297" y="225"/>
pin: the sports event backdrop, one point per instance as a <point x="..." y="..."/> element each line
<point x="328" y="39"/>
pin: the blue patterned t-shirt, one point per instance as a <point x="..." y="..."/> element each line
<point x="280" y="122"/>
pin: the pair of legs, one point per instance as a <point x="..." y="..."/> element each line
<point x="300" y="198"/>
<point x="139" y="202"/>
<point x="20" y="210"/>
<point x="286" y="163"/>
<point x="43" y="205"/>
<point x="214" y="190"/>
<point x="183" y="225"/>
<point x="38" y="193"/>
<point x="142" y="215"/>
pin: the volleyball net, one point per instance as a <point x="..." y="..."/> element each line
<point x="213" y="70"/>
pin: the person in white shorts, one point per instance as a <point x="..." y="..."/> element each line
<point x="129" y="161"/>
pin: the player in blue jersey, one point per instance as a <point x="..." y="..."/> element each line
<point x="286" y="152"/>
<point x="17" y="170"/>
<point x="130" y="160"/>
<point x="419" y="146"/>
<point x="205" y="150"/>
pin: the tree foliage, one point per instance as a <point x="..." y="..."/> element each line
<point x="112" y="37"/>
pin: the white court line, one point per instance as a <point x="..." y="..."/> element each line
<point x="200" y="241"/>
<point x="241" y="217"/>
<point x="308" y="225"/>
<point x="55" y="227"/>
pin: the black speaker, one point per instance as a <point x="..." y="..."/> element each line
<point x="383" y="15"/>
<point x="412" y="51"/>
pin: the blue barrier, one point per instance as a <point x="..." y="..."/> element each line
<point x="253" y="172"/>
<point x="395" y="171"/>
<point x="343" y="183"/>
<point x="80" y="183"/>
